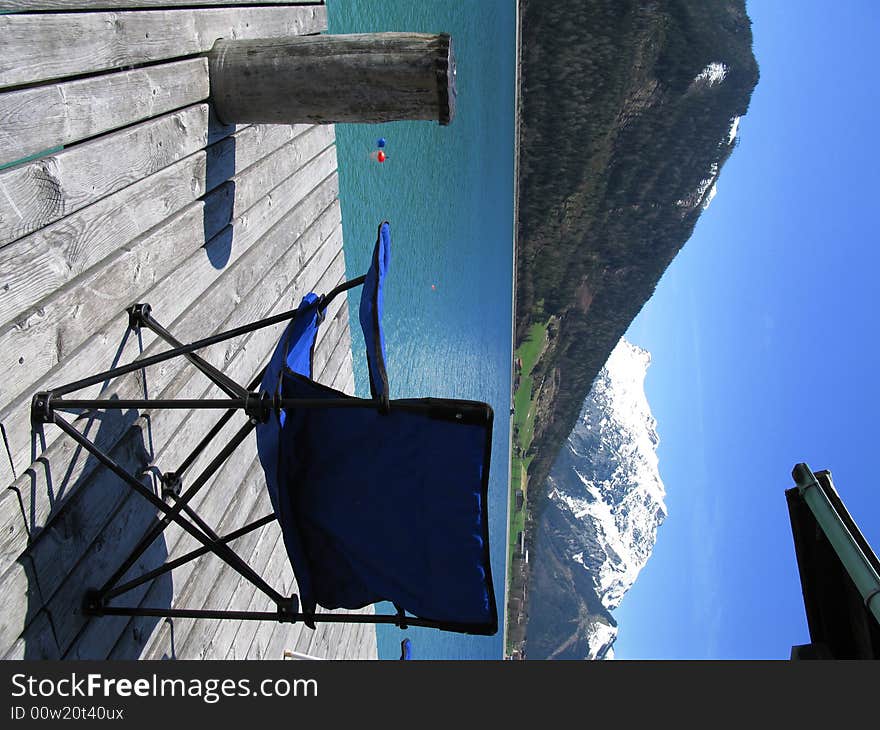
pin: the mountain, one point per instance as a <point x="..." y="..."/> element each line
<point x="598" y="528"/>
<point x="629" y="110"/>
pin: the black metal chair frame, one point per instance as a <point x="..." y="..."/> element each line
<point x="258" y="406"/>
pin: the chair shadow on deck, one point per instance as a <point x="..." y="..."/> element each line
<point x="93" y="521"/>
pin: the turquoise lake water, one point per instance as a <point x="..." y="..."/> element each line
<point x="448" y="194"/>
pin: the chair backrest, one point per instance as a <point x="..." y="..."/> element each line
<point x="383" y="499"/>
<point x="370" y="314"/>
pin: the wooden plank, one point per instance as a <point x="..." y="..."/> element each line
<point x="273" y="169"/>
<point x="363" y="640"/>
<point x="64" y="605"/>
<point x="335" y="329"/>
<point x="259" y="646"/>
<point x="245" y="630"/>
<point x="35" y="266"/>
<point x="217" y="588"/>
<point x="368" y="646"/>
<point x="44" y="117"/>
<point x="12" y="510"/>
<point x="281" y="638"/>
<point x="167" y="302"/>
<point x="30" y="5"/>
<point x="71" y="315"/>
<point x="209" y="641"/>
<point x="343" y="643"/>
<point x="324" y="633"/>
<point x="333" y="370"/>
<point x="349" y="643"/>
<point x="41" y="47"/>
<point x="38" y="193"/>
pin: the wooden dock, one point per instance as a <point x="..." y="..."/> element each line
<point x="135" y="192"/>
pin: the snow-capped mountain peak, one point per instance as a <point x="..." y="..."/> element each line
<point x="606" y="487"/>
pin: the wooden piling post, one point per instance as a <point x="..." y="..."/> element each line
<point x="323" y="79"/>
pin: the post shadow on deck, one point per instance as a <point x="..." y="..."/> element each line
<point x="220" y="198"/>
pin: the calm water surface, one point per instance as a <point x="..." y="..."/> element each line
<point x="448" y="194"/>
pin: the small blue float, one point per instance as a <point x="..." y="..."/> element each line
<point x="405" y="650"/>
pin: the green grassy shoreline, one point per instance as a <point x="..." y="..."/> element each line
<point x="525" y="358"/>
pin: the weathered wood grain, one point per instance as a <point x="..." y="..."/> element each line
<point x="213" y="640"/>
<point x="303" y="645"/>
<point x="230" y="639"/>
<point x="68" y="317"/>
<point x="44" y="117"/>
<point x="367" y="644"/>
<point x="41" y="47"/>
<point x="337" y="357"/>
<point x="37" y="265"/>
<point x="100" y="348"/>
<point x="265" y="175"/>
<point x="322" y="79"/>
<point x="38" y="193"/>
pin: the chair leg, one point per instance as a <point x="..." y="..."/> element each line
<point x="190" y="556"/>
<point x="223" y="551"/>
<point x="140" y="315"/>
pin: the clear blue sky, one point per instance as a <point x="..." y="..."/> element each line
<point x="764" y="337"/>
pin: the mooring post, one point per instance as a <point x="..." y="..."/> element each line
<point x="323" y="79"/>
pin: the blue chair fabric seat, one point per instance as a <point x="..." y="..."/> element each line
<point x="382" y="500"/>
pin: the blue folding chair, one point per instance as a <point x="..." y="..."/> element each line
<point x="378" y="499"/>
